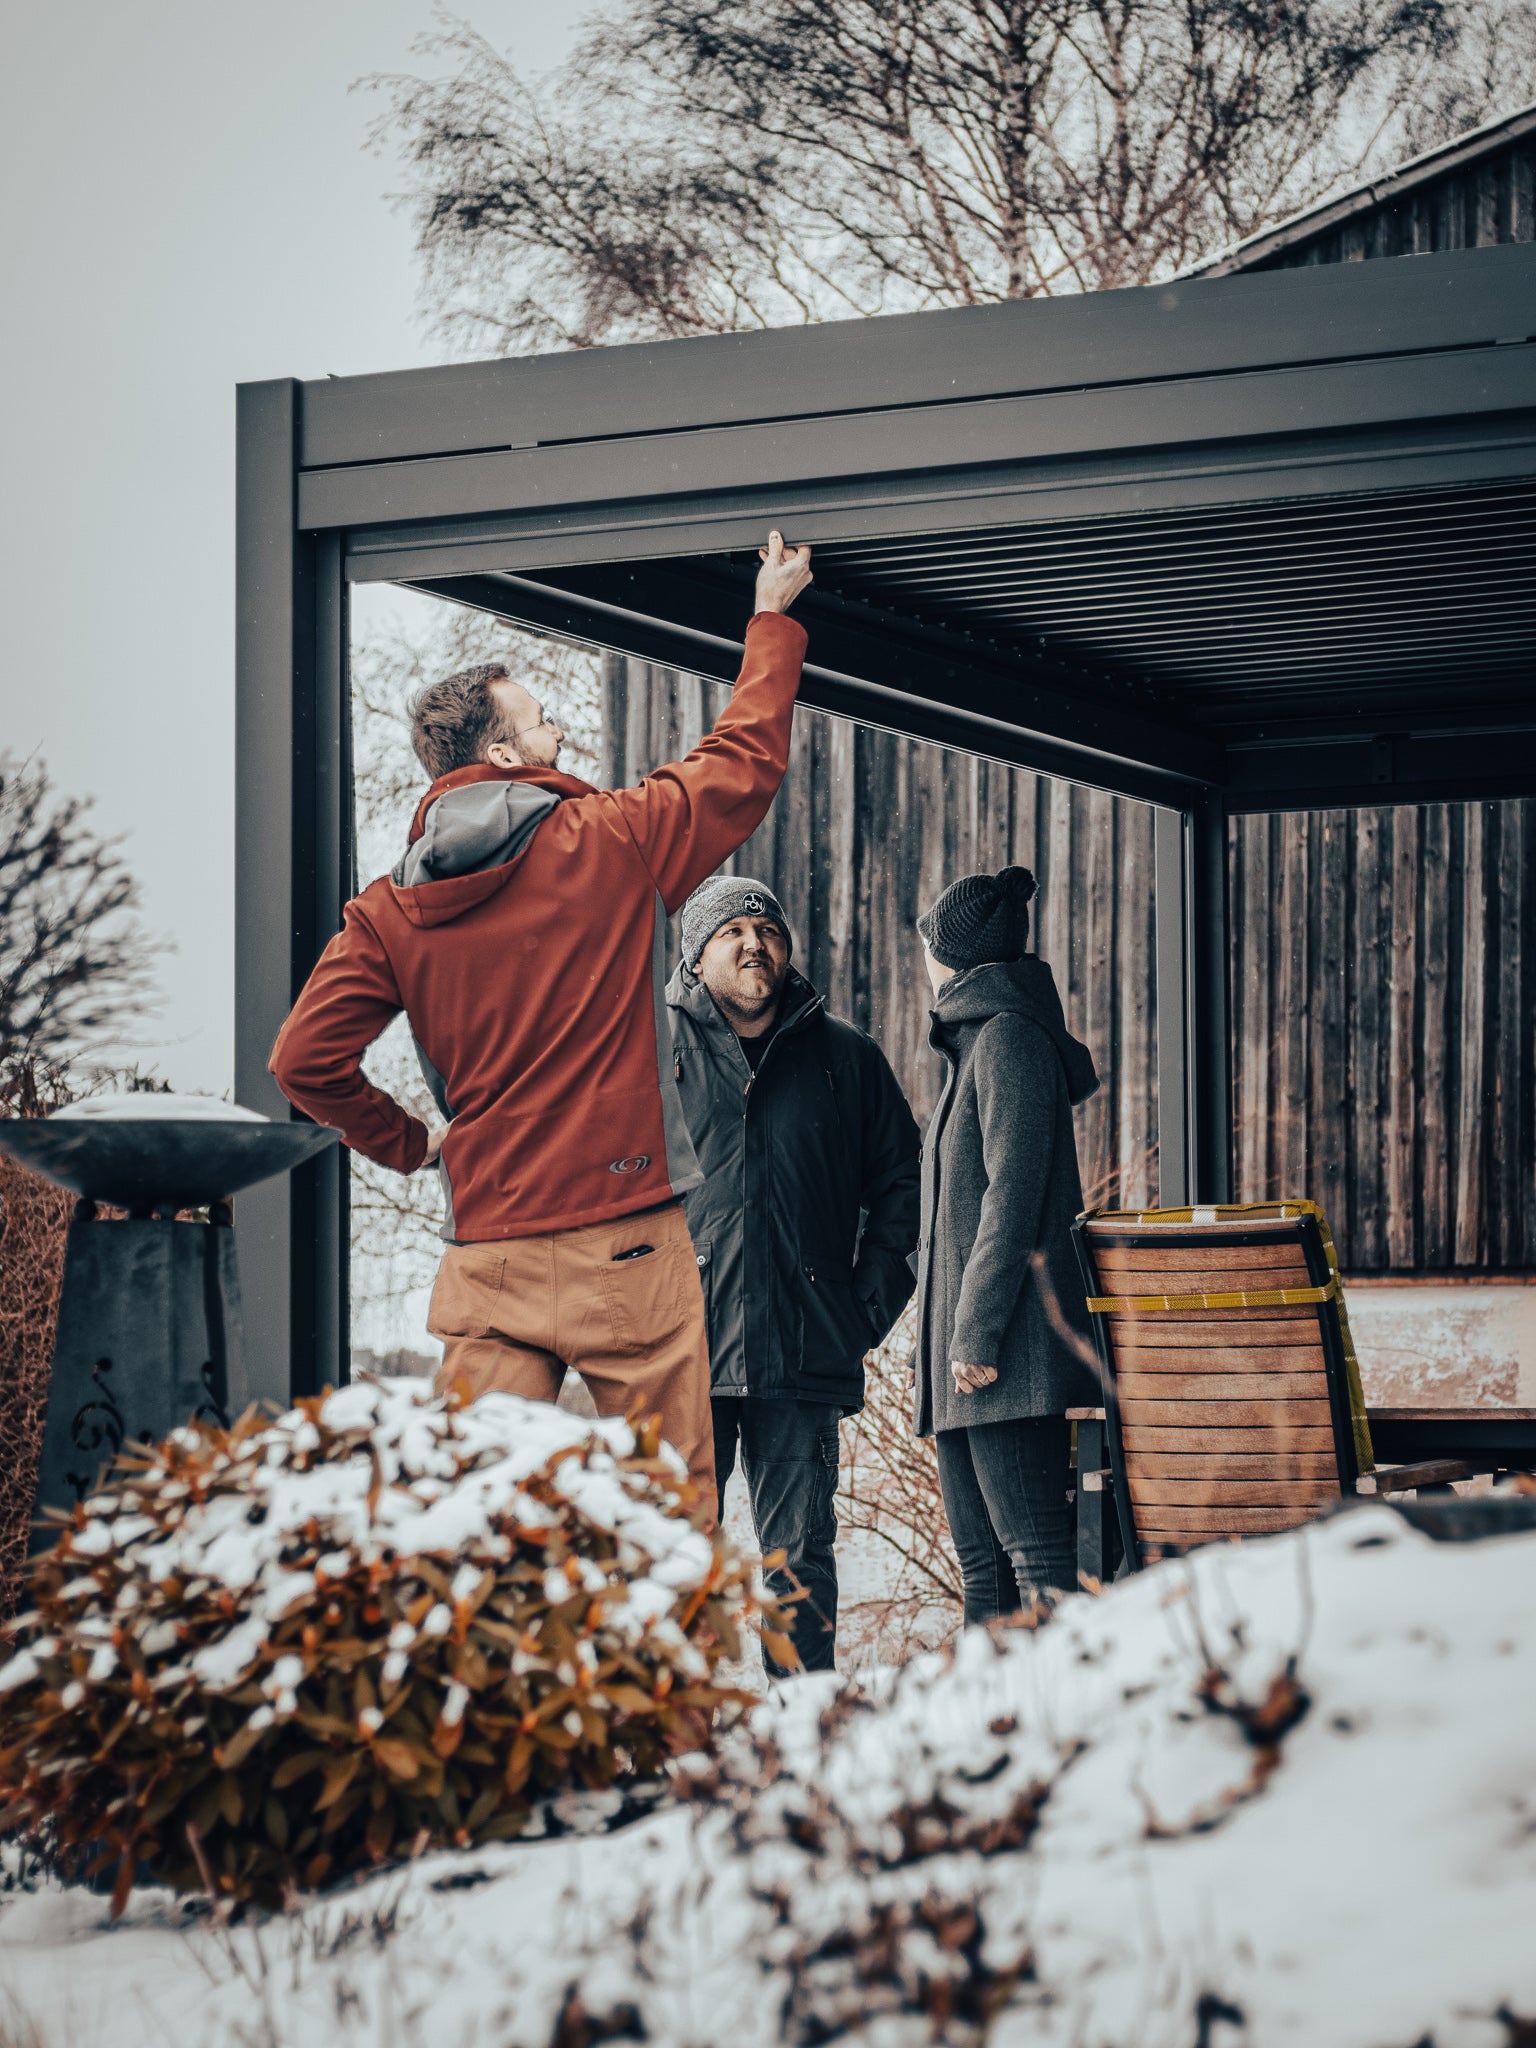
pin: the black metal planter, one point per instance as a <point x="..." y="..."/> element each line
<point x="150" y="1331"/>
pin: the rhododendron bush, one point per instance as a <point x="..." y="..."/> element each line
<point x="262" y="1657"/>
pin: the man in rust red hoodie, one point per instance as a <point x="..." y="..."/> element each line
<point x="523" y="935"/>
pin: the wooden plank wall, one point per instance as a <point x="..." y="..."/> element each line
<point x="867" y="830"/>
<point x="1383" y="993"/>
<point x="1488" y="201"/>
<point x="1384" y="1016"/>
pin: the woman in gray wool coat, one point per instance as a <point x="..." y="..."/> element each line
<point x="994" y="1375"/>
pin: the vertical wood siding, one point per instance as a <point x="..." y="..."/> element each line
<point x="867" y="830"/>
<point x="1384" y="1018"/>
<point x="1383" y="983"/>
<point x="1489" y="200"/>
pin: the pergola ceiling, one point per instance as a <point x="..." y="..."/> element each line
<point x="1273" y="536"/>
<point x="1252" y="620"/>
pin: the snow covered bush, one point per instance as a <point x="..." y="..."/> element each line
<point x="262" y="1657"/>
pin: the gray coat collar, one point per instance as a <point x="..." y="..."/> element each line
<point x="798" y="1004"/>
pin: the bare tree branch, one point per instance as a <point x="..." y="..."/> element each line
<point x="709" y="165"/>
<point x="74" y="959"/>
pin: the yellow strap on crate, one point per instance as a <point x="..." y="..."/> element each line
<point x="1263" y="1297"/>
<point x="1218" y="1212"/>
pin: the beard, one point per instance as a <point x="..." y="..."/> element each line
<point x="748" y="990"/>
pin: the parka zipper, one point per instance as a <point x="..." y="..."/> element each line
<point x="789" y="1024"/>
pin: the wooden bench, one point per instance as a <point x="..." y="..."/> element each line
<point x="1232" y="1399"/>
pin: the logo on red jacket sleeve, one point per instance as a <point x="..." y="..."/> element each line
<point x="637" y="1164"/>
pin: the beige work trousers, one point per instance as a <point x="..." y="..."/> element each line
<point x="515" y="1313"/>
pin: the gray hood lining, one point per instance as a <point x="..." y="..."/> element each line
<point x="477" y="826"/>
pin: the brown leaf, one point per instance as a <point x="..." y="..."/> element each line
<point x="239" y="1746"/>
<point x="122" y="1885"/>
<point x="519" y="1760"/>
<point x="380" y="1833"/>
<point x="297" y="1766"/>
<point x="339" y="1773"/>
<point x="398" y="1758"/>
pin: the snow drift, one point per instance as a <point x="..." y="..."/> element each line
<point x="1276" y="1793"/>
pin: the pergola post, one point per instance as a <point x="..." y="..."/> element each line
<point x="1194" y="1069"/>
<point x="293" y="870"/>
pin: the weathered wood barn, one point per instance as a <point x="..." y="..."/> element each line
<point x="1383" y="960"/>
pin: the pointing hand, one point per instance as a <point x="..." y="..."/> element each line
<point x="784" y="574"/>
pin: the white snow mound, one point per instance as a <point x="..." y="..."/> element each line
<point x="1085" y="1818"/>
<point x="139" y="1106"/>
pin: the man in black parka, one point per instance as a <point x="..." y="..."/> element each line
<point x="804" y="1226"/>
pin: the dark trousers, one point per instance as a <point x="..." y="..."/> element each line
<point x="1005" y="1493"/>
<point x="789" y="1459"/>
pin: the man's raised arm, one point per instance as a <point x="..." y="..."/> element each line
<point x="689" y="816"/>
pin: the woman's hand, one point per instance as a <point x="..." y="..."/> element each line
<point x="971" y="1378"/>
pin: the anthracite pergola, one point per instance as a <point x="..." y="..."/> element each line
<point x="1263" y="543"/>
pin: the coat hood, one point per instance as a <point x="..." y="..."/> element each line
<point x="466" y="836"/>
<point x="1028" y="988"/>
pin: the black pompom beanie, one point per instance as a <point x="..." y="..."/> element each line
<point x="980" y="918"/>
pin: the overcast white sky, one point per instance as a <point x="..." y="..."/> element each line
<point x="188" y="204"/>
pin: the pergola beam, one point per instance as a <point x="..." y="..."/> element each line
<point x="865" y="666"/>
<point x="1042" y="346"/>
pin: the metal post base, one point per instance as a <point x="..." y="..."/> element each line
<point x="149" y="1337"/>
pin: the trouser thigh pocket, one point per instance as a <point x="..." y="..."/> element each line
<point x="643" y="1288"/>
<point x="466" y="1291"/>
<point x="828" y="1450"/>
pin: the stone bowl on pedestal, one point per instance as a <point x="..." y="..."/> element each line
<point x="145" y="1153"/>
<point x="149" y="1332"/>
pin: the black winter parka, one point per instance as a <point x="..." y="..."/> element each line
<point x="795" y="1158"/>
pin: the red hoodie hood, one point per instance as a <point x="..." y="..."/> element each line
<point x="469" y="832"/>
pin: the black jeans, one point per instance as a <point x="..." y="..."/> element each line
<point x="789" y="1458"/>
<point x="1005" y="1493"/>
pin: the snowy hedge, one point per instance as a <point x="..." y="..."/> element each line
<point x="263" y="1657"/>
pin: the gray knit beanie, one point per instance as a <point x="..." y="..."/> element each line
<point x="720" y="899"/>
<point x="980" y="918"/>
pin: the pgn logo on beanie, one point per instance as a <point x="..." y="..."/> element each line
<point x="754" y="903"/>
<point x="636" y="1164"/>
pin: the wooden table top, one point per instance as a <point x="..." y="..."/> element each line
<point x="1490" y="1411"/>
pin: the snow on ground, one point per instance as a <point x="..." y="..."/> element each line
<point x="1365" y="1879"/>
